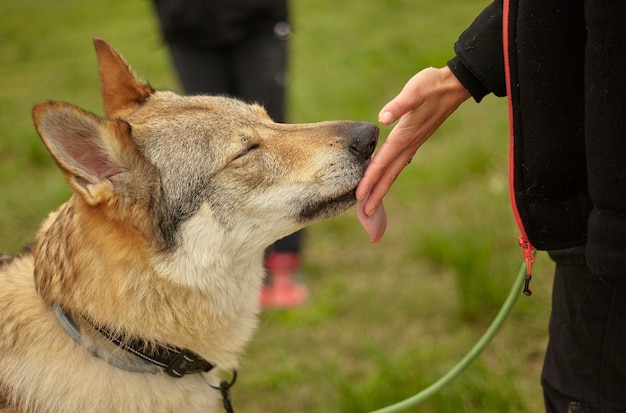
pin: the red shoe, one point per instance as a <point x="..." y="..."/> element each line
<point x="282" y="288"/>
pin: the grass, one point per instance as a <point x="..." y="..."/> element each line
<point x="384" y="321"/>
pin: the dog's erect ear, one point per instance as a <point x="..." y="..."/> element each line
<point x="121" y="89"/>
<point x="90" y="150"/>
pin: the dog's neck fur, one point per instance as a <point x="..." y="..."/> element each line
<point x="122" y="289"/>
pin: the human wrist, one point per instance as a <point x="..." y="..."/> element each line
<point x="453" y="85"/>
<point x="463" y="75"/>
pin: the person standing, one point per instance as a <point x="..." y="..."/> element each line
<point x="560" y="64"/>
<point x="239" y="48"/>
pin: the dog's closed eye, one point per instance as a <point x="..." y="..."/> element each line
<point x="251" y="147"/>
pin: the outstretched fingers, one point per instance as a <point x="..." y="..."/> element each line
<point x="385" y="168"/>
<point x="422" y="105"/>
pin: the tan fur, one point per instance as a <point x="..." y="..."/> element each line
<point x="175" y="199"/>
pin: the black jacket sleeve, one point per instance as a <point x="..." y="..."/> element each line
<point x="479" y="60"/>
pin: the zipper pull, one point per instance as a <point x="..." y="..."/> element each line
<point x="529" y="258"/>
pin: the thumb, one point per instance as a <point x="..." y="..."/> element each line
<point x="410" y="97"/>
<point x="404" y="102"/>
<point x="391" y="112"/>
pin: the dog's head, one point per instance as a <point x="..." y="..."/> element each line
<point x="179" y="169"/>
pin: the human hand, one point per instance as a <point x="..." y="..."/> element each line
<point x="426" y="100"/>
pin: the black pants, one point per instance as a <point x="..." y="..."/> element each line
<point x="585" y="364"/>
<point x="253" y="70"/>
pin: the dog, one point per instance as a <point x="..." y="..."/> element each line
<point x="141" y="291"/>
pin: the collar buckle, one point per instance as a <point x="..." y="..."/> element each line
<point x="186" y="362"/>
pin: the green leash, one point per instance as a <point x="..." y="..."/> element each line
<point x="469" y="357"/>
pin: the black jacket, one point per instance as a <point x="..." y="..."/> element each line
<point x="547" y="96"/>
<point x="539" y="64"/>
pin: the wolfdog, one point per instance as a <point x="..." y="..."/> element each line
<point x="141" y="291"/>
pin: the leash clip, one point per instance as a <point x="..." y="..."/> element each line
<point x="224" y="388"/>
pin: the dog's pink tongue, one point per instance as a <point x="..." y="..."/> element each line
<point x="374" y="224"/>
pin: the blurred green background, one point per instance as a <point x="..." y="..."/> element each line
<point x="384" y="321"/>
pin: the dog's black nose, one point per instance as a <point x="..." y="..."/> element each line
<point x="364" y="138"/>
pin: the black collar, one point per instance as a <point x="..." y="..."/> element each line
<point x="172" y="360"/>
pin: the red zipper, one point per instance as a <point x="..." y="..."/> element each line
<point x="527" y="248"/>
<point x="529" y="258"/>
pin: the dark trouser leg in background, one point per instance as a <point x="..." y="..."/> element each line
<point x="254" y="70"/>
